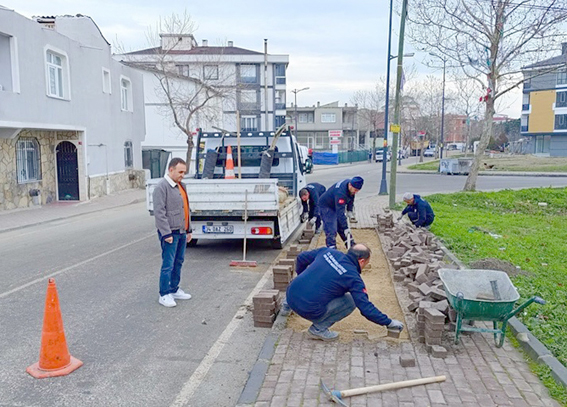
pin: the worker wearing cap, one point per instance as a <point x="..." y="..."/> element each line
<point x="310" y="200"/>
<point x="336" y="204"/>
<point x="418" y="210"/>
<point x="328" y="288"/>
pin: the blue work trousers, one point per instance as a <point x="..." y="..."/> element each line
<point x="172" y="255"/>
<point x="331" y="227"/>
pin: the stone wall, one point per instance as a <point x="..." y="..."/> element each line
<point x="14" y="195"/>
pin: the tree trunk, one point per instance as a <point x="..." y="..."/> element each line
<point x="470" y="184"/>
<point x="190" y="146"/>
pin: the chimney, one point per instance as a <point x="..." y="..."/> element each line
<point x="318" y="104"/>
<point x="564" y="48"/>
<point x="178" y="42"/>
<point x="205" y="43"/>
<point x="346" y="104"/>
<point x="230" y="43"/>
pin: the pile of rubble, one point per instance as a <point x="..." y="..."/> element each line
<point x="416" y="257"/>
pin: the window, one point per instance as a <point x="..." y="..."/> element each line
<point x="28" y="160"/>
<point x="57" y="74"/>
<point x="126" y="94"/>
<point x="562" y="78"/>
<point x="279" y="73"/>
<point x="561" y="99"/>
<point x="128" y="156"/>
<point x="561" y="122"/>
<point x="106" y="84"/>
<point x="328" y="118"/>
<point x="306" y="117"/>
<point x="280" y="99"/>
<point x="248" y="100"/>
<point x="182" y="70"/>
<point x="6" y="63"/>
<point x="251" y="156"/>
<point x="248" y="74"/>
<point x="280" y="120"/>
<point x="249" y="123"/>
<point x="211" y="72"/>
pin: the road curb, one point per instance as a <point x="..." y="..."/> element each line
<point x="535" y="349"/>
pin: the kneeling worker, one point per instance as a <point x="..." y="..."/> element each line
<point x="328" y="287"/>
<point x="310" y="201"/>
<point x="419" y="211"/>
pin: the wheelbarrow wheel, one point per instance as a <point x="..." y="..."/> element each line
<point x="501" y="335"/>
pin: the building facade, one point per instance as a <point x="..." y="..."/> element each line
<point x="544" y="106"/>
<point x="246" y="84"/>
<point x="71" y="117"/>
<point x="318" y="125"/>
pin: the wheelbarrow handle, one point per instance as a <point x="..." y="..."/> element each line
<point x="539" y="300"/>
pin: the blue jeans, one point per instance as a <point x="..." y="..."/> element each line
<point x="337" y="309"/>
<point x="172" y="255"/>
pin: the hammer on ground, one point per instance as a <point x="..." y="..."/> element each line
<point x="337" y="396"/>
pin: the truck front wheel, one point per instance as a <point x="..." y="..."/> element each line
<point x="276" y="243"/>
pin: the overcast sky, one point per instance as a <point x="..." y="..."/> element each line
<point x="335" y="47"/>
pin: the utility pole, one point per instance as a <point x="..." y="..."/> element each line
<point x="266" y="121"/>
<point x="383" y="182"/>
<point x="295" y="92"/>
<point x="396" y="132"/>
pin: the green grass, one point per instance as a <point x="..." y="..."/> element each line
<point x="532" y="237"/>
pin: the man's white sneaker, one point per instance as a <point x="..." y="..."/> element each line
<point x="181" y="295"/>
<point x="167" y="301"/>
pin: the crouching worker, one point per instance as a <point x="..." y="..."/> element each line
<point x="419" y="211"/>
<point x="328" y="287"/>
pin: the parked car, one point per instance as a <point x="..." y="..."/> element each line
<point x="380" y="155"/>
<point x="430" y="152"/>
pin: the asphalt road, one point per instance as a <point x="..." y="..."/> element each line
<point x="135" y="352"/>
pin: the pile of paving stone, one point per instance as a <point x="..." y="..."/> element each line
<point x="267" y="304"/>
<point x="416" y="257"/>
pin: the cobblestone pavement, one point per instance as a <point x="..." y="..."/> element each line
<point x="477" y="373"/>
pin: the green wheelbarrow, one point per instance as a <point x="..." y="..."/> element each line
<point x="482" y="295"/>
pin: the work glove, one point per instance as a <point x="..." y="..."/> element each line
<point x="313" y="220"/>
<point x="400" y="217"/>
<point x="304" y="217"/>
<point x="350" y="215"/>
<point x="395" y="324"/>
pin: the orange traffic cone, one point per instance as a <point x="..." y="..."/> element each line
<point x="229" y="170"/>
<point x="54" y="357"/>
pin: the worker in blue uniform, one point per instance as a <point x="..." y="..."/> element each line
<point x="418" y="210"/>
<point x="310" y="200"/>
<point x="336" y="204"/>
<point x="329" y="286"/>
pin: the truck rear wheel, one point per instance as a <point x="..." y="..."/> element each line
<point x="192" y="243"/>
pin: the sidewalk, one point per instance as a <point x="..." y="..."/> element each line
<point x="478" y="374"/>
<point x="20" y="218"/>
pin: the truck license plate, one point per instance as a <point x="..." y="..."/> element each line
<point x="218" y="229"/>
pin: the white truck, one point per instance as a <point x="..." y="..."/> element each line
<point x="218" y="205"/>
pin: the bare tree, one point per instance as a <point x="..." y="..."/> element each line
<point x="489" y="40"/>
<point x="194" y="88"/>
<point x="371" y="109"/>
<point x="466" y="103"/>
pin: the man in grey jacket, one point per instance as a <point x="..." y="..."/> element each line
<point x="173" y="223"/>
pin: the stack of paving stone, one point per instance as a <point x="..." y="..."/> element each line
<point x="430" y="328"/>
<point x="266" y="307"/>
<point x="282" y="274"/>
<point x="385" y="222"/>
<point x="293" y="251"/>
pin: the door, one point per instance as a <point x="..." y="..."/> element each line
<point x="67" y="172"/>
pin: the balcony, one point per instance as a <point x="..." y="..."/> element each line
<point x="525" y="106"/>
<point x="523" y="129"/>
<point x="280" y="106"/>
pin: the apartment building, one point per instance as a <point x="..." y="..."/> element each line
<point x="322" y="126"/>
<point x="71" y="117"/>
<point x="236" y="81"/>
<point x="544" y="106"/>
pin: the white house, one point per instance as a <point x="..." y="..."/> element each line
<point x="71" y="117"/>
<point x="250" y="83"/>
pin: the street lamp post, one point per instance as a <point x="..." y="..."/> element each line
<point x="383" y="183"/>
<point x="296" y="91"/>
<point x="441" y="138"/>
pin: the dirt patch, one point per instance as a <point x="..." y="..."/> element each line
<point x="381" y="292"/>
<point x="490" y="263"/>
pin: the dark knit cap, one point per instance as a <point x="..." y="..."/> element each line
<point x="357" y="182"/>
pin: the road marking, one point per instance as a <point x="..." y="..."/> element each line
<point x="56" y="273"/>
<point x="201" y="372"/>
